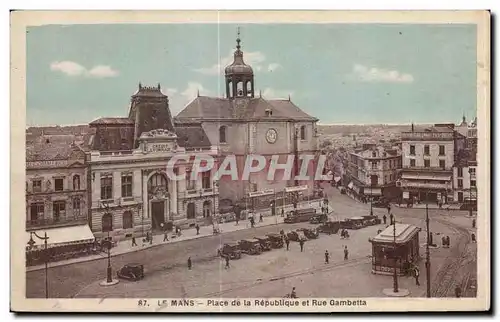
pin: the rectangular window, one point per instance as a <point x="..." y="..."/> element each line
<point x="412" y="162"/>
<point x="126" y="185"/>
<point x="37" y="211"/>
<point x="106" y="188"/>
<point x="472" y="171"/>
<point x="76" y="206"/>
<point x="205" y="180"/>
<point x="427" y="163"/>
<point x="59" y="209"/>
<point x="426" y="150"/>
<point x="412" y="150"/>
<point x="441" y="150"/>
<point x="37" y="185"/>
<point x="460" y="172"/>
<point x="59" y="184"/>
<point x="473" y="183"/>
<point x="442" y="164"/>
<point x="460" y="183"/>
<point x="190" y="184"/>
<point x="374" y="164"/>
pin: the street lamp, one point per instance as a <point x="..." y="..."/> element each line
<point x="395" y="276"/>
<point x="470" y="192"/>
<point x="109" y="275"/>
<point x="371" y="197"/>
<point x="31" y="242"/>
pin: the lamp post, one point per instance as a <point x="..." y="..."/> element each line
<point x="31" y="242"/>
<point x="109" y="275"/>
<point x="470" y="192"/>
<point x="395" y="275"/>
<point x="371" y="197"/>
<point x="427" y="252"/>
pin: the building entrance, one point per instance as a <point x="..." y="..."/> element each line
<point x="157" y="214"/>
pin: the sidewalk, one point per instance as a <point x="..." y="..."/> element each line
<point x="125" y="246"/>
<point x="431" y="206"/>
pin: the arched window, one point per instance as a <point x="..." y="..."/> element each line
<point x="230" y="85"/>
<point x="239" y="89"/>
<point x="303" y="132"/>
<point x="157" y="180"/>
<point x="128" y="219"/>
<point x="249" y="88"/>
<point x="191" y="210"/>
<point x="76" y="182"/>
<point x="222" y="134"/>
<point x="207" y="208"/>
<point x="107" y="222"/>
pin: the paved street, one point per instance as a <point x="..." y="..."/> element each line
<point x="272" y="274"/>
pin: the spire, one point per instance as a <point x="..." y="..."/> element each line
<point x="238" y="40"/>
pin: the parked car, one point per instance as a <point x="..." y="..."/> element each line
<point x="309" y="233"/>
<point x="371" y="220"/>
<point x="329" y="227"/>
<point x="131" y="272"/>
<point x="232" y="250"/>
<point x="318" y="219"/>
<point x="250" y="246"/>
<point x="265" y="243"/>
<point x="300" y="215"/>
<point x="381" y="203"/>
<point x="357" y="222"/>
<point x="276" y="240"/>
<point x="295" y="235"/>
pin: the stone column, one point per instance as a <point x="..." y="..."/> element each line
<point x="145" y="201"/>
<point x="173" y="197"/>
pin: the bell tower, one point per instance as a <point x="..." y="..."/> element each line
<point x="239" y="76"/>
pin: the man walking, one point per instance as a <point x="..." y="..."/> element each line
<point x="346" y="253"/>
<point x="384" y="218"/>
<point x="327" y="257"/>
<point x="197" y="229"/>
<point x="261" y="219"/>
<point x="417" y="274"/>
<point x="165" y="236"/>
<point x="392" y="218"/>
<point x="287" y="242"/>
<point x="282" y="212"/>
<point x="133" y="241"/>
<point x="301" y="242"/>
<point x="190" y="264"/>
<point x="388" y="208"/>
<point x="227" y="262"/>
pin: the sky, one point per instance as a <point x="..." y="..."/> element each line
<point x="339" y="73"/>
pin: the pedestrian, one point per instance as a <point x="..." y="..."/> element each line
<point x="252" y="222"/>
<point x="282" y="212"/>
<point x="261" y="219"/>
<point x="227" y="262"/>
<point x="147" y="236"/>
<point x="448" y="241"/>
<point x="197" y="229"/>
<point x="301" y="243"/>
<point x="388" y="208"/>
<point x="384" y="218"/>
<point x="190" y="264"/>
<point x="287" y="242"/>
<point x="458" y="291"/>
<point x="416" y="273"/>
<point x="473" y="237"/>
<point x="473" y="223"/>
<point x="293" y="295"/>
<point x="443" y="241"/>
<point x="133" y="241"/>
<point x="346" y="253"/>
<point x="327" y="257"/>
<point x="392" y="218"/>
<point x="165" y="236"/>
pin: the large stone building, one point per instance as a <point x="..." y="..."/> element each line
<point x="56" y="186"/>
<point x="428" y="158"/>
<point x="243" y="123"/>
<point x="374" y="171"/>
<point x="131" y="189"/>
<point x="464" y="176"/>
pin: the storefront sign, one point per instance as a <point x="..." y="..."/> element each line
<point x="297" y="188"/>
<point x="49" y="163"/>
<point x="261" y="193"/>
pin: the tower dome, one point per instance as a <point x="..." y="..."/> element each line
<point x="239" y="76"/>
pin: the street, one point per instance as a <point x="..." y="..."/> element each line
<point x="274" y="273"/>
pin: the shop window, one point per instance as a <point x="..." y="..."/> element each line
<point x="128" y="220"/>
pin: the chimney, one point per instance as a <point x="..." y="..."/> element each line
<point x="412" y="127"/>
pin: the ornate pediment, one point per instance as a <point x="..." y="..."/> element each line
<point x="158" y="141"/>
<point x="159" y="133"/>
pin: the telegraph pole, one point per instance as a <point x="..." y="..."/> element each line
<point x="427" y="253"/>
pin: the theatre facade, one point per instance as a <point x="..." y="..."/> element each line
<point x="131" y="190"/>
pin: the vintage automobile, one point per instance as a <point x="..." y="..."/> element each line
<point x="357" y="222"/>
<point x="296" y="235"/>
<point x="300" y="215"/>
<point x="250" y="246"/>
<point x="329" y="227"/>
<point x="371" y="220"/>
<point x="276" y="240"/>
<point x="131" y="272"/>
<point x="265" y="243"/>
<point x="232" y="250"/>
<point x="309" y="233"/>
<point x="381" y="203"/>
<point x="318" y="219"/>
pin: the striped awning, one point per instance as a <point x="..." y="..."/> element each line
<point x="62" y="236"/>
<point x="444" y="177"/>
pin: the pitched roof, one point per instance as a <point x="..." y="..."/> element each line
<point x="113" y="138"/>
<point x="112" y="121"/>
<point x="51" y="147"/>
<point x="204" y="107"/>
<point x="192" y="137"/>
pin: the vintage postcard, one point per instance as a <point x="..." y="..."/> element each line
<point x="239" y="161"/>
